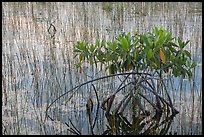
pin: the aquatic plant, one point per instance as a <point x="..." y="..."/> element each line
<point x="142" y="59"/>
<point x="156" y="51"/>
<point x="107" y="6"/>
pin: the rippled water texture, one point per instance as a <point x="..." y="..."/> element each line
<point x="37" y="61"/>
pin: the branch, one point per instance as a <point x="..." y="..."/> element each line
<point x="79" y="86"/>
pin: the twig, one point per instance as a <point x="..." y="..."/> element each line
<point x="71" y="129"/>
<point x="114" y="95"/>
<point x="74" y="127"/>
<point x="122" y="83"/>
<point x="176" y="111"/>
<point x="79" y="86"/>
<point x="98" y="105"/>
<point x="126" y="103"/>
<point x="148" y="101"/>
<point x="120" y="104"/>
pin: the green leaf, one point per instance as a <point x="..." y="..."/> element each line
<point x="173" y="44"/>
<point x="92" y="48"/>
<point x="168" y="37"/>
<point x="188" y="64"/>
<point x="77" y="50"/>
<point x="144" y="38"/>
<point x="81" y="58"/>
<point x="114" y="56"/>
<point x="187" y="53"/>
<point x="97" y="43"/>
<point x="172" y="49"/>
<point x="124" y="44"/>
<point x="115" y="44"/>
<point x="193" y="65"/>
<point x="181" y="45"/>
<point x="161" y="39"/>
<point x="149" y="54"/>
<point x="151" y="36"/>
<point x="156" y="31"/>
<point x="83" y="45"/>
<point x="172" y="57"/>
<point x="151" y="44"/>
<point x="139" y="51"/>
<point x="186" y="43"/>
<point x="109" y="44"/>
<point x="112" y="46"/>
<point x="103" y="43"/>
<point x="157" y="40"/>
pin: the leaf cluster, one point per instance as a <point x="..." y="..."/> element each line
<point x="155" y="50"/>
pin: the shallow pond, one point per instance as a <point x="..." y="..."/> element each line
<point x="36" y="68"/>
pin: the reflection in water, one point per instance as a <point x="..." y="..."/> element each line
<point x="37" y="69"/>
<point x="139" y="126"/>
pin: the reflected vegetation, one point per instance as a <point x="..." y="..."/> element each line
<point x="39" y="76"/>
